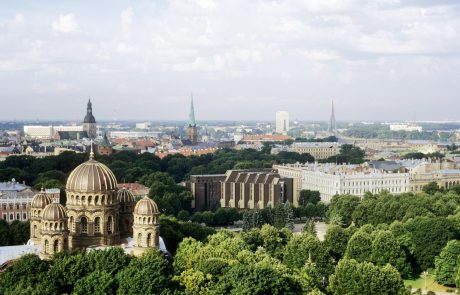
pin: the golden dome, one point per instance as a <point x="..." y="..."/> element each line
<point x="146" y="206"/>
<point x="40" y="200"/>
<point x="125" y="196"/>
<point x="54" y="212"/>
<point x="91" y="177"/>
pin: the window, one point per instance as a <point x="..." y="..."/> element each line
<point x="56" y="246"/>
<point x="72" y="224"/>
<point x="4" y="216"/>
<point x="149" y="240"/>
<point x="139" y="240"/>
<point x="34" y="233"/>
<point x="24" y="216"/>
<point x="11" y="216"/>
<point x="84" y="225"/>
<point x="47" y="247"/>
<point x="109" y="225"/>
<point x="97" y="225"/>
<point x="17" y="206"/>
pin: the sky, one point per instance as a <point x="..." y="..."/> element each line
<point x="242" y="60"/>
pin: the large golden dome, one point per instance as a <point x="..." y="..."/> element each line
<point x="40" y="200"/>
<point x="54" y="212"/>
<point x="91" y="177"/>
<point x="146" y="206"/>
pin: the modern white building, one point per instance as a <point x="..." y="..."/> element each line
<point x="319" y="150"/>
<point x="282" y="122"/>
<point x="331" y="179"/>
<point x="48" y="132"/>
<point x="144" y="125"/>
<point x="405" y="127"/>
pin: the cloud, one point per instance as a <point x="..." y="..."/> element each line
<point x="126" y="21"/>
<point x="66" y="23"/>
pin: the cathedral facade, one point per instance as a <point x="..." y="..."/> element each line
<point x="96" y="214"/>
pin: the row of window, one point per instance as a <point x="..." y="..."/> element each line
<point x="12" y="215"/>
<point x="11" y="206"/>
<point x="83" y="200"/>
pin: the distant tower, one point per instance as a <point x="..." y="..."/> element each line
<point x="191" y="130"/>
<point x="282" y="122"/>
<point x="89" y="123"/>
<point x="332" y="128"/>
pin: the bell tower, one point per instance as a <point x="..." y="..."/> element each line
<point x="89" y="123"/>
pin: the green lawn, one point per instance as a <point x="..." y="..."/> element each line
<point x="431" y="284"/>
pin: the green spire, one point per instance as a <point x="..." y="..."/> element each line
<point x="191" y="116"/>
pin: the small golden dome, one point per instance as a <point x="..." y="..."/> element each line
<point x="146" y="206"/>
<point x="40" y="200"/>
<point x="54" y="212"/>
<point x="91" y="177"/>
<point x="125" y="196"/>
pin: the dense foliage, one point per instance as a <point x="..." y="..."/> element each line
<point x="16" y="233"/>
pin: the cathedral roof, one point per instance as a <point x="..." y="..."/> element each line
<point x="91" y="177"/>
<point x="54" y="212"/>
<point x="146" y="206"/>
<point x="40" y="200"/>
<point x="125" y="196"/>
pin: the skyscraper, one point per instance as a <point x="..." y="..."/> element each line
<point x="191" y="130"/>
<point x="282" y="122"/>
<point x="89" y="123"/>
<point x="332" y="128"/>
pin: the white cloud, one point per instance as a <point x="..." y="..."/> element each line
<point x="66" y="23"/>
<point x="126" y="21"/>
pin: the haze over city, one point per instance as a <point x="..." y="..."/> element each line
<point x="243" y="60"/>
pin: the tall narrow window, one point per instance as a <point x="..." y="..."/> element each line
<point x="72" y="224"/>
<point x="56" y="246"/>
<point x="84" y="225"/>
<point x="149" y="240"/>
<point x="35" y="231"/>
<point x="139" y="240"/>
<point x="47" y="247"/>
<point x="97" y="225"/>
<point x="109" y="225"/>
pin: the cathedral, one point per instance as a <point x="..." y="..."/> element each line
<point x="96" y="214"/>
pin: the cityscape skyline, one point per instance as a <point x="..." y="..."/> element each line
<point x="377" y="60"/>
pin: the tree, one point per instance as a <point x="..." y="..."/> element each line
<point x="97" y="282"/>
<point x="183" y="215"/>
<point x="446" y="263"/>
<point x="386" y="249"/>
<point x="336" y="241"/>
<point x="309" y="227"/>
<point x="427" y="237"/>
<point x="289" y="216"/>
<point x="431" y="188"/>
<point x="343" y="206"/>
<point x="148" y="274"/>
<point x="250" y="279"/>
<point x="354" y="278"/>
<point x="359" y="247"/>
<point x="280" y="216"/>
<point x="309" y="196"/>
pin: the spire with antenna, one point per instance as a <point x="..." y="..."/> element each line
<point x="332" y="128"/>
<point x="191" y="116"/>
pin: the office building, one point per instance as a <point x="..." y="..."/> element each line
<point x="282" y="122"/>
<point x="319" y="150"/>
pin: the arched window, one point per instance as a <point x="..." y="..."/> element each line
<point x="83" y="200"/>
<point x="109" y="224"/>
<point x="149" y="220"/>
<point x="97" y="225"/>
<point x="71" y="224"/>
<point x="35" y="231"/>
<point x="84" y="225"/>
<point x="65" y="246"/>
<point x="149" y="240"/>
<point x="102" y="200"/>
<point x="78" y="200"/>
<point x="143" y="222"/>
<point x="47" y="247"/>
<point x="56" y="246"/>
<point x="139" y="240"/>
<point x="96" y="200"/>
<point x="89" y="200"/>
<point x="55" y="226"/>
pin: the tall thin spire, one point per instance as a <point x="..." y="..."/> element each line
<point x="332" y="128"/>
<point x="191" y="116"/>
<point x="91" y="153"/>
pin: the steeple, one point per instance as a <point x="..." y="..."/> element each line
<point x="191" y="116"/>
<point x="89" y="108"/>
<point x="332" y="128"/>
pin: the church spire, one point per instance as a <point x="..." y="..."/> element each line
<point x="89" y="107"/>
<point x="191" y="116"/>
<point x="332" y="128"/>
